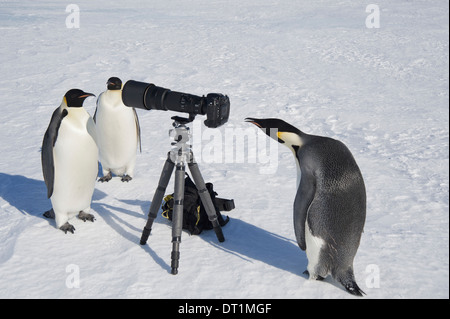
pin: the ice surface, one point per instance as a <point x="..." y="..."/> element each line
<point x="382" y="91"/>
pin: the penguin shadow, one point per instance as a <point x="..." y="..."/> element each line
<point x="100" y="170"/>
<point x="27" y="195"/>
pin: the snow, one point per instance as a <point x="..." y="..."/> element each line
<point x="382" y="91"/>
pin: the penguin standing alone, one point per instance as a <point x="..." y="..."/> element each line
<point x="330" y="205"/>
<point x="118" y="133"/>
<point x="70" y="160"/>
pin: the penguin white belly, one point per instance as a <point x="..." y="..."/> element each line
<point x="75" y="160"/>
<point x="313" y="249"/>
<point x="299" y="173"/>
<point x="117" y="138"/>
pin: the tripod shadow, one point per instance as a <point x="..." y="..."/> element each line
<point x="250" y="242"/>
<point x="244" y="240"/>
<point x="113" y="216"/>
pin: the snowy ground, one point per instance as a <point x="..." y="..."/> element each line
<point x="382" y="91"/>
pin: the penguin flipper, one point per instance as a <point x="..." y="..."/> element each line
<point x="138" y="129"/>
<point x="50" y="137"/>
<point x="303" y="200"/>
<point x="95" y="114"/>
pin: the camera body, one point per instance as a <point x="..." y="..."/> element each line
<point x="148" y="96"/>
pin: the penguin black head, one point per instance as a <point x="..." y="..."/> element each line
<point x="76" y="97"/>
<point x="114" y="83"/>
<point x="286" y="133"/>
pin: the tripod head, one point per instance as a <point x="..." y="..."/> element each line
<point x="181" y="149"/>
<point x="183" y="120"/>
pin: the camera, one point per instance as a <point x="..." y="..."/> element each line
<point x="148" y="96"/>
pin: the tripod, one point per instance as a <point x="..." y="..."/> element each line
<point x="180" y="154"/>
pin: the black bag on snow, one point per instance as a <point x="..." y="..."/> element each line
<point x="195" y="218"/>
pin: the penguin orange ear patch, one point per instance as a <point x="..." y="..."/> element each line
<point x="289" y="138"/>
<point x="282" y="136"/>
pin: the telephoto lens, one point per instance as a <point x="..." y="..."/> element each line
<point x="148" y="96"/>
<point x="133" y="94"/>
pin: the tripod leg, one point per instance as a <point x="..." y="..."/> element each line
<point x="206" y="199"/>
<point x="177" y="217"/>
<point x="157" y="198"/>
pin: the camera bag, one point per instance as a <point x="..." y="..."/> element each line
<point x="195" y="218"/>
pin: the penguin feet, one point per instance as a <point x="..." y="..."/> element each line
<point x="50" y="214"/>
<point x="67" y="228"/>
<point x="126" y="178"/>
<point x="317" y="277"/>
<point x="106" y="178"/>
<point x="85" y="216"/>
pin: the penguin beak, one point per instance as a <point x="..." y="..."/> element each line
<point x="268" y="126"/>
<point x="85" y="95"/>
<point x="253" y="121"/>
<point x="264" y="124"/>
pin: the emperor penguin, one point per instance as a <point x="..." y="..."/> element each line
<point x="70" y="161"/>
<point x="330" y="205"/>
<point x="118" y="133"/>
